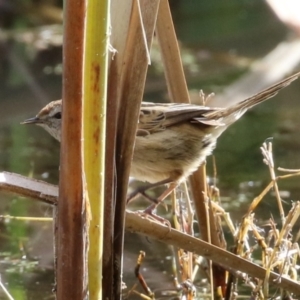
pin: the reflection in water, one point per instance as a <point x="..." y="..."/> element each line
<point x="26" y="259"/>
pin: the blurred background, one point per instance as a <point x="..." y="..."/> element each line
<point x="221" y="42"/>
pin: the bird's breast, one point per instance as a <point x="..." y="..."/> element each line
<point x="173" y="153"/>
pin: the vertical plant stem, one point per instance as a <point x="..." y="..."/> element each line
<point x="70" y="226"/>
<point x="131" y="89"/>
<point x="94" y="133"/>
<point x="178" y="92"/>
<point x="170" y="54"/>
<point x="120" y="17"/>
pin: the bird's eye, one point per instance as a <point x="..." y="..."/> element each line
<point x="57" y="115"/>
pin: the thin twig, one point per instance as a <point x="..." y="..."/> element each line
<point x="268" y="160"/>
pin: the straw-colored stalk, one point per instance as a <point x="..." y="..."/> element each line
<point x="130" y="93"/>
<point x="94" y="128"/>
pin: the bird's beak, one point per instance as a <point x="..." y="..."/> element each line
<point x="34" y="120"/>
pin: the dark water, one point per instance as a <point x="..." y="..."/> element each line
<point x="208" y="32"/>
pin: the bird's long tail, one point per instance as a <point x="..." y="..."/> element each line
<point x="237" y="110"/>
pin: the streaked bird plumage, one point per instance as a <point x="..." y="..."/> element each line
<point x="172" y="139"/>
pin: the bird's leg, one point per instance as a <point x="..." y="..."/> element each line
<point x="142" y="191"/>
<point x="149" y="210"/>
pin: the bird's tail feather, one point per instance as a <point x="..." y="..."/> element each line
<point x="237" y="110"/>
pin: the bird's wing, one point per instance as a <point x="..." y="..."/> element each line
<point x="156" y="117"/>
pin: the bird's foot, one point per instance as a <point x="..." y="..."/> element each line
<point x="149" y="214"/>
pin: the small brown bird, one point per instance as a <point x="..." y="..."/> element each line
<point x="173" y="139"/>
